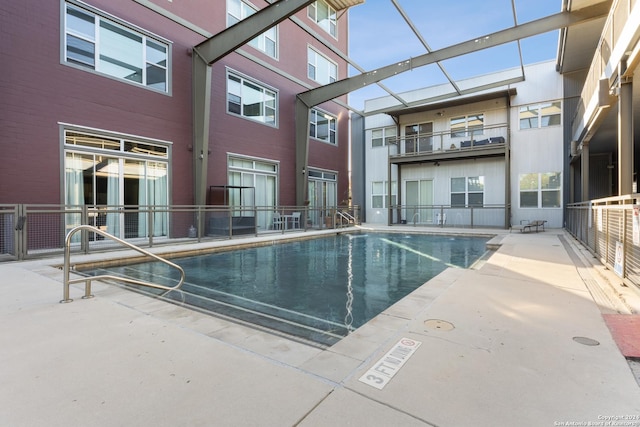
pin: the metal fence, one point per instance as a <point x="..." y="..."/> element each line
<point x="606" y="227"/>
<point x="28" y="231"/>
<point x="487" y="216"/>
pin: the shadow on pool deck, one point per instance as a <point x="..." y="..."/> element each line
<point x="512" y="353"/>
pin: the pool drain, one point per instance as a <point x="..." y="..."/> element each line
<point x="438" y="325"/>
<point x="586" y="341"/>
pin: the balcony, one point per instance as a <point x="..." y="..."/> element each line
<point x="616" y="52"/>
<point x="490" y="141"/>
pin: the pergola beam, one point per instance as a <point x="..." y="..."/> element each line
<point x="313" y="97"/>
<point x="207" y="53"/>
<point x="550" y="23"/>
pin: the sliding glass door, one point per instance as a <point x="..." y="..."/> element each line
<point x="419" y="193"/>
<point x="128" y="191"/>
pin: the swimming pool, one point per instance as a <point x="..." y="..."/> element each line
<point x="318" y="289"/>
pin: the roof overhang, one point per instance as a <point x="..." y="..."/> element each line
<point x="461" y="100"/>
<point x="343" y="4"/>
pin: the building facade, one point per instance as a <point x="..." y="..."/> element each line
<point x="490" y="159"/>
<point x="97" y="105"/>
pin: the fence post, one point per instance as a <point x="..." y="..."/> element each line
<point x="20" y="232"/>
<point x="150" y="212"/>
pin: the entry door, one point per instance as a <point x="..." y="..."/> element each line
<point x="419" y="201"/>
<point x="322" y="198"/>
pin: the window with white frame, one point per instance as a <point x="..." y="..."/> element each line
<point x="540" y="190"/>
<point x="267" y="42"/>
<point x="467" y="191"/>
<point x="379" y="195"/>
<point x="383" y="136"/>
<point x="322" y="126"/>
<point x="325" y="16"/>
<point x="540" y="115"/>
<point x="94" y="42"/>
<point x="320" y="68"/>
<point x="111" y="170"/>
<point x="467" y="126"/>
<point x="251" y="100"/>
<point x="253" y="182"/>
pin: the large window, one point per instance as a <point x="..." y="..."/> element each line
<point x="467" y="191"/>
<point x="467" y="126"/>
<point x="94" y="42"/>
<point x="325" y="16"/>
<point x="251" y="100"/>
<point x="379" y="196"/>
<point x="262" y="176"/>
<point x="540" y="115"/>
<point x="320" y="68"/>
<point x="540" y="190"/>
<point x="322" y="126"/>
<point x="418" y="138"/>
<point x="112" y="172"/>
<point x="266" y="42"/>
<point x="383" y="136"/>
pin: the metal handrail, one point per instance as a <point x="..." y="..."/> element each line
<point x="87" y="288"/>
<point x="347" y="216"/>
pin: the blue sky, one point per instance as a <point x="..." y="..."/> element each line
<point x="379" y="36"/>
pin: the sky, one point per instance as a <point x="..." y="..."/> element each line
<point x="379" y="36"/>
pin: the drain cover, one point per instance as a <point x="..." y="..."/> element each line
<point x="586" y="341"/>
<point x="438" y="325"/>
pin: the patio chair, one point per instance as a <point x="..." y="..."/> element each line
<point x="295" y="220"/>
<point x="278" y="221"/>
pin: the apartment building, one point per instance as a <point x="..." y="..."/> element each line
<point x="99" y="100"/>
<point x="465" y="161"/>
<point x="563" y="131"/>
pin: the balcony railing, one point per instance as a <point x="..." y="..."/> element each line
<point x="606" y="227"/>
<point x="464" y="141"/>
<point x="613" y="45"/>
<point x="444" y="216"/>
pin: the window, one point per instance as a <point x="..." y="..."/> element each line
<point x="323" y="127"/>
<point x="467" y="126"/>
<point x="418" y="138"/>
<point x="379" y="195"/>
<point x="94" y="42"/>
<point x="111" y="171"/>
<point x="383" y="136"/>
<point x="325" y="16"/>
<point x="467" y="191"/>
<point x="540" y="115"/>
<point x="266" y="42"/>
<point x="540" y="190"/>
<point x="251" y="100"/>
<point x="260" y="179"/>
<point x="320" y="68"/>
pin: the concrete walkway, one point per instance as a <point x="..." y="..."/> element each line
<point x="518" y="341"/>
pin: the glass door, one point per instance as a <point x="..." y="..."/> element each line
<point x="322" y="199"/>
<point x="419" y="201"/>
<point x="123" y="190"/>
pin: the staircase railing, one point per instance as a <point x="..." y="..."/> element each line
<point x="345" y="216"/>
<point x="87" y="287"/>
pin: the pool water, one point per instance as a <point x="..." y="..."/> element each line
<point x="319" y="289"/>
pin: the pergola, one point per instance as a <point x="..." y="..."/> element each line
<point x="216" y="47"/>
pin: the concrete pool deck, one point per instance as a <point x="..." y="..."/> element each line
<point x="518" y="340"/>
